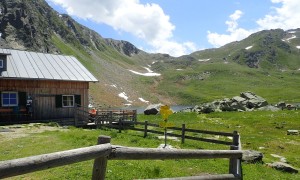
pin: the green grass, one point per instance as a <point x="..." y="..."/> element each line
<point x="229" y="80"/>
<point x="257" y="129"/>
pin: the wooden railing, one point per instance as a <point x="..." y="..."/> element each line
<point x="120" y="124"/>
<point x="83" y="116"/>
<point x="105" y="151"/>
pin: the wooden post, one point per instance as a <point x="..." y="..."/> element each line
<point x="235" y="139"/>
<point x="99" y="168"/>
<point x="134" y="117"/>
<point x="120" y="125"/>
<point x="233" y="162"/>
<point x="183" y="133"/>
<point x="110" y="118"/>
<point x="75" y="116"/>
<point x="146" y="130"/>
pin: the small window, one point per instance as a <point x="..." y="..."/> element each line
<point x="1" y="63"/>
<point x="9" y="99"/>
<point x="67" y="100"/>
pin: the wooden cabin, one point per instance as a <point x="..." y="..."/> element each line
<point x="37" y="87"/>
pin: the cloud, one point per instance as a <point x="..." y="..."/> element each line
<point x="287" y="16"/>
<point x="235" y="33"/>
<point x="145" y="21"/>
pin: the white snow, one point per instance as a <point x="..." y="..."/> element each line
<point x="143" y="100"/>
<point x="149" y="70"/>
<point x="298" y="47"/>
<point x="0" y="34"/>
<point x="288" y="39"/>
<point x="179" y="69"/>
<point x="292" y="32"/>
<point x="149" y="73"/>
<point x="203" y="60"/>
<point x="249" y="47"/>
<point x="114" y="85"/>
<point x="124" y="96"/>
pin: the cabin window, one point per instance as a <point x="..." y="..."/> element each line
<point x="9" y="99"/>
<point x="67" y="100"/>
<point x="1" y="63"/>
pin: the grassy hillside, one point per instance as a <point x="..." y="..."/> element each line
<point x="267" y="62"/>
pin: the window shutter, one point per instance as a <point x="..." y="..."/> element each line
<point x="78" y="100"/>
<point x="22" y="98"/>
<point x="58" y="101"/>
<point x="0" y="99"/>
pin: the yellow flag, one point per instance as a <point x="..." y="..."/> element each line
<point x="165" y="111"/>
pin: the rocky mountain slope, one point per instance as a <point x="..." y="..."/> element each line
<point x="264" y="62"/>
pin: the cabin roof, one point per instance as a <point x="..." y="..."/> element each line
<point x="42" y="66"/>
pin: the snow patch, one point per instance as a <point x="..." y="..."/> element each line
<point x="151" y="73"/>
<point x="149" y="70"/>
<point x="203" y="60"/>
<point x="288" y="39"/>
<point x="143" y="100"/>
<point x="114" y="85"/>
<point x="249" y="47"/>
<point x="124" y="96"/>
<point x="292" y="32"/>
<point x="179" y="69"/>
<point x="298" y="47"/>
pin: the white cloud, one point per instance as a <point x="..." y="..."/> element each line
<point x="287" y="16"/>
<point x="235" y="33"/>
<point x="145" y="21"/>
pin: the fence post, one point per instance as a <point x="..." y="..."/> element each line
<point x="234" y="163"/>
<point x="235" y="139"/>
<point x="99" y="168"/>
<point x="134" y="117"/>
<point x="146" y="130"/>
<point x="183" y="133"/>
<point x="75" y="116"/>
<point x="110" y="118"/>
<point x="120" y="125"/>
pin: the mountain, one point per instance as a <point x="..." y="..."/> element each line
<point x="266" y="62"/>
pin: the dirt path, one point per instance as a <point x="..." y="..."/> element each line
<point x="23" y="130"/>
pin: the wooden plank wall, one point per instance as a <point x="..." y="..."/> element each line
<point x="43" y="93"/>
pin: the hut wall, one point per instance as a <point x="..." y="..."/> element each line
<point x="44" y="92"/>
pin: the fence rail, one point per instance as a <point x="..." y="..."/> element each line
<point x="120" y="124"/>
<point x="105" y="151"/>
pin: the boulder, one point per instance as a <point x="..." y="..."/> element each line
<point x="251" y="156"/>
<point x="152" y="109"/>
<point x="292" y="132"/>
<point x="283" y="167"/>
<point x="253" y="101"/>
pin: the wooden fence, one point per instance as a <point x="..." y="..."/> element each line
<point x="121" y="124"/>
<point x="105" y="151"/>
<point x="102" y="116"/>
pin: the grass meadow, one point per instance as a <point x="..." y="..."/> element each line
<point x="260" y="130"/>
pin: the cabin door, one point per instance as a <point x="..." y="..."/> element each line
<point x="44" y="108"/>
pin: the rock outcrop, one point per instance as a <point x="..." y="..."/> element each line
<point x="247" y="101"/>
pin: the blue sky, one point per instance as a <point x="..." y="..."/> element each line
<point x="179" y="27"/>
